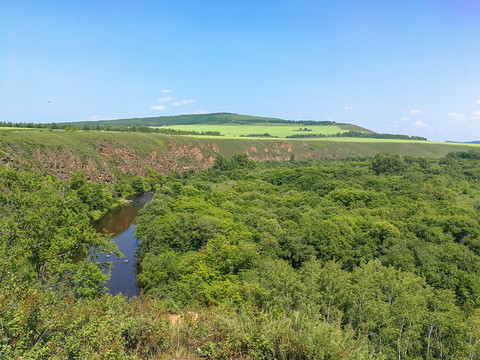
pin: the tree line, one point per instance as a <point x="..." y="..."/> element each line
<point x="142" y="129"/>
<point x="359" y="134"/>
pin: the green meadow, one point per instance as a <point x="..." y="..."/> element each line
<point x="278" y="130"/>
<point x="14" y="128"/>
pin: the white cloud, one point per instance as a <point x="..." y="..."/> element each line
<point x="167" y="91"/>
<point x="94" y="118"/>
<point x="101" y="117"/>
<point x="457" y="117"/>
<point x="416" y="111"/>
<point x="349" y="108"/>
<point x="404" y="118"/>
<point x="476" y="116"/>
<point x="183" y="102"/>
<point x="158" y="107"/>
<point x="165" y="99"/>
<point x="478" y="101"/>
<point x="461" y="126"/>
<point x="197" y="112"/>
<point x="419" y="124"/>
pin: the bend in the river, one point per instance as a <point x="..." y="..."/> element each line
<point x="119" y="223"/>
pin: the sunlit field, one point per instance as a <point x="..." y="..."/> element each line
<point x="280" y="131"/>
<point x="15" y="128"/>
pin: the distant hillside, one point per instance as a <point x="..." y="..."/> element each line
<point x="222" y="124"/>
<point x="214" y="119"/>
<point x="351" y="127"/>
<point x="464" y="142"/>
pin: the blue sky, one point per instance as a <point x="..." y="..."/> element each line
<point x="410" y="67"/>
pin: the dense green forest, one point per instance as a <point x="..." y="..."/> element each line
<point x="386" y="246"/>
<point x="360" y="258"/>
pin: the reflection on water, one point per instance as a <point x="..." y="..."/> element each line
<point x="119" y="223"/>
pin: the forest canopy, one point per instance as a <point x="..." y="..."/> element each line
<point x="388" y="246"/>
<point x="360" y="258"/>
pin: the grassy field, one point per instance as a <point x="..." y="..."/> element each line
<point x="278" y="130"/>
<point x="15" y="128"/>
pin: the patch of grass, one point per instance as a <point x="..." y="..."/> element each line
<point x="351" y="127"/>
<point x="14" y="128"/>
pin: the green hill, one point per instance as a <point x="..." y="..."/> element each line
<point x="232" y="125"/>
<point x="211" y="119"/>
<point x="222" y="124"/>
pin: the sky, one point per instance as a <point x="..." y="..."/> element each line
<point x="410" y="67"/>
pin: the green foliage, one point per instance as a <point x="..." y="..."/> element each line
<point x="78" y="180"/>
<point x="392" y="254"/>
<point x="471" y="154"/>
<point x="361" y="258"/>
<point x="137" y="185"/>
<point x="388" y="164"/>
<point x="95" y="196"/>
<point x="238" y="161"/>
<point x="46" y="237"/>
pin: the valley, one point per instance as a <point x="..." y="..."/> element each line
<point x="354" y="248"/>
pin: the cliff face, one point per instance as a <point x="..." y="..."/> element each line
<point x="105" y="156"/>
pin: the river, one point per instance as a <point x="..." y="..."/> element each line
<point x="119" y="223"/>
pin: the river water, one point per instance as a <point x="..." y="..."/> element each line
<point x="119" y="223"/>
